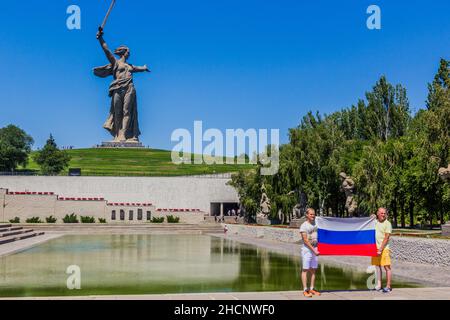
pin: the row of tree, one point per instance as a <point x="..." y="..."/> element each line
<point x="392" y="156"/>
<point x="15" y="149"/>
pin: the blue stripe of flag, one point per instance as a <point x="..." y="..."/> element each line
<point x="346" y="237"/>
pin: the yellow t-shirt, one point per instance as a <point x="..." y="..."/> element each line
<point x="381" y="228"/>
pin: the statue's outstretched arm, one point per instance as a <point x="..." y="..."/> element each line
<point x="144" y="68"/>
<point x="108" y="53"/>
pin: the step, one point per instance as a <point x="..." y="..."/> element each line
<point x="20" y="237"/>
<point x="5" y="226"/>
<point x="10" y="229"/>
<point x="16" y="232"/>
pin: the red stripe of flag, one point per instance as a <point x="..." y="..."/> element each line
<point x="366" y="250"/>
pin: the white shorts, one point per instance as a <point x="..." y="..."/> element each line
<point x="309" y="259"/>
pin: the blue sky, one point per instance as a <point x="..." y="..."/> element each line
<point x="232" y="64"/>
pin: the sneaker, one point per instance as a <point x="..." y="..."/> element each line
<point x="307" y="294"/>
<point x="378" y="289"/>
<point x="314" y="292"/>
<point x="387" y="290"/>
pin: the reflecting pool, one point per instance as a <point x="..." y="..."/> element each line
<point x="147" y="264"/>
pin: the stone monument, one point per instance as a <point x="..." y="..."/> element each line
<point x="444" y="174"/>
<point x="296" y="211"/>
<point x="122" y="122"/>
<point x="265" y="206"/>
<point x="296" y="220"/>
<point x="299" y="210"/>
<point x="348" y="187"/>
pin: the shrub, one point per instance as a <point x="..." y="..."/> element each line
<point x="172" y="219"/>
<point x="50" y="219"/>
<point x="86" y="219"/>
<point x="157" y="220"/>
<point x="72" y="218"/>
<point x="33" y="220"/>
<point x="101" y="220"/>
<point x="15" y="220"/>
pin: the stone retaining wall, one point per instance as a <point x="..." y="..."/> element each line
<point x="409" y="249"/>
<point x="421" y="250"/>
<point x="185" y="217"/>
<point x="27" y="205"/>
<point x="164" y="192"/>
<point x="270" y="233"/>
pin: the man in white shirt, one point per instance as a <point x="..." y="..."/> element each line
<point x="308" y="230"/>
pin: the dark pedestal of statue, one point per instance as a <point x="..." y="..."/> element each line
<point x="121" y="144"/>
<point x="263" y="221"/>
<point x="296" y="223"/>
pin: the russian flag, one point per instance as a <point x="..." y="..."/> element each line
<point x="346" y="236"/>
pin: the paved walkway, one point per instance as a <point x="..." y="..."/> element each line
<point x="396" y="294"/>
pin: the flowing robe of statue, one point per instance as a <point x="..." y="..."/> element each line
<point x="348" y="186"/>
<point x="264" y="203"/>
<point x="122" y="122"/>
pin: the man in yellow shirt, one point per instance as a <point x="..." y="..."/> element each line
<point x="383" y="230"/>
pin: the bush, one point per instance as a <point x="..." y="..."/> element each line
<point x="50" y="219"/>
<point x="15" y="220"/>
<point x="87" y="219"/>
<point x="101" y="220"/>
<point x="70" y="219"/>
<point x="157" y="220"/>
<point x="172" y="219"/>
<point x="33" y="220"/>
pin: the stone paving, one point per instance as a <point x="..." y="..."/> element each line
<point x="397" y="294"/>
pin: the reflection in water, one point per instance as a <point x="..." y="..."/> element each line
<point x="145" y="264"/>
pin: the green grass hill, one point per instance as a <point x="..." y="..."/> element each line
<point x="136" y="162"/>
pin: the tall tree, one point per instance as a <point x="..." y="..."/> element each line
<point x="392" y="156"/>
<point x="50" y="159"/>
<point x="435" y="136"/>
<point x="15" y="146"/>
<point x="387" y="111"/>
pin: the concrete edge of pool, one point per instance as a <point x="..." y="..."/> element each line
<point x="18" y="246"/>
<point x="442" y="293"/>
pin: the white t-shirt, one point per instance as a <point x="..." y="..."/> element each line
<point x="311" y="233"/>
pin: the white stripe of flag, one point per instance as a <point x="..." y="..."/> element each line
<point x="345" y="224"/>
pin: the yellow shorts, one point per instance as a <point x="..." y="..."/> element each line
<point x="383" y="260"/>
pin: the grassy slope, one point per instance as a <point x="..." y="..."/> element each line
<point x="136" y="162"/>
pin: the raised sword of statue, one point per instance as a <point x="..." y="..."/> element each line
<point x="100" y="29"/>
